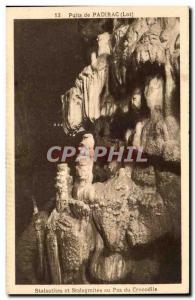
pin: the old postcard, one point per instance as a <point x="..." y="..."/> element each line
<point x="98" y="150"/>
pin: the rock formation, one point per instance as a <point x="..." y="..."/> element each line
<point x="112" y="231"/>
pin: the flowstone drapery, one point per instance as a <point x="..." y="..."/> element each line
<point x="113" y="231"/>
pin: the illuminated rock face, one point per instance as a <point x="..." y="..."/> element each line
<point x="130" y="216"/>
<point x="109" y="232"/>
<point x="98" y="242"/>
<point x="70" y="236"/>
<point x="143" y="40"/>
<point x="99" y="237"/>
<point x="63" y="187"/>
<point x="95" y="241"/>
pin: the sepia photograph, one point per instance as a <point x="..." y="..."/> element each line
<point x="98" y="150"/>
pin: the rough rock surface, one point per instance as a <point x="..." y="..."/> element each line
<point x="75" y="241"/>
<point x="109" y="232"/>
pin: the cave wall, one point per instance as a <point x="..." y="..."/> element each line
<point x="48" y="55"/>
